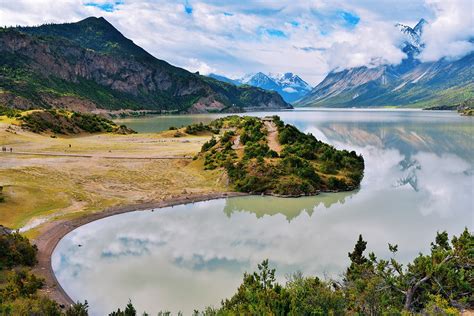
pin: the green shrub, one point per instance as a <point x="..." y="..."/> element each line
<point x="20" y="283"/>
<point x="254" y="150"/>
<point x="336" y="184"/>
<point x="9" y="112"/>
<point x="439" y="283"/>
<point x="60" y="122"/>
<point x="328" y="167"/>
<point x="209" y="144"/>
<point x="200" y="127"/>
<point x="294" y="173"/>
<point x="16" y="250"/>
<point x="227" y="136"/>
<point x="293" y="186"/>
<point x="293" y="165"/>
<point x="33" y="305"/>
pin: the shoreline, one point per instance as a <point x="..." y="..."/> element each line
<point x="51" y="233"/>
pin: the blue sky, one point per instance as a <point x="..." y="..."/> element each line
<point x="109" y="6"/>
<point x="232" y="38"/>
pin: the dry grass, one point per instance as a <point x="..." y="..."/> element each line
<point x="42" y="188"/>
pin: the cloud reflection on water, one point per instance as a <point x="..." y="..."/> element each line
<point x="417" y="181"/>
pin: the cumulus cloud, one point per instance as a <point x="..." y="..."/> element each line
<point x="450" y="32"/>
<point x="233" y="38"/>
<point x="195" y="65"/>
<point x="371" y="44"/>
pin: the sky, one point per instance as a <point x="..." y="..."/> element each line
<point x="233" y="38"/>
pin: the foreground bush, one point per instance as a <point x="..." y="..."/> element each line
<point x="16" y="250"/>
<point x="19" y="292"/>
<point x="439" y="283"/>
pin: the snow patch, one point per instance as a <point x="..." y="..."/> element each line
<point x="418" y="79"/>
<point x="399" y="86"/>
<point x="289" y="90"/>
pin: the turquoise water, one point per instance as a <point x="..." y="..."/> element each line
<point x="418" y="180"/>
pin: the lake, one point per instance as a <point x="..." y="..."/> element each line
<point x="418" y="180"/>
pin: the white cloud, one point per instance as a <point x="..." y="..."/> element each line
<point x="449" y="33"/>
<point x="197" y="65"/>
<point x="233" y="38"/>
<point x="370" y="44"/>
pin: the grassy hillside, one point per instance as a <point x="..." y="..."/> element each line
<point x="67" y="123"/>
<point x="90" y="64"/>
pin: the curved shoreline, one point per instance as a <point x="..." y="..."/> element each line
<point x="51" y="233"/>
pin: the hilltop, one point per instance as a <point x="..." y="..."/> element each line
<point x="90" y="65"/>
<point x="267" y="156"/>
<point x="62" y="122"/>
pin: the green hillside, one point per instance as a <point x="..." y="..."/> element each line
<point x="266" y="156"/>
<point x="90" y="64"/>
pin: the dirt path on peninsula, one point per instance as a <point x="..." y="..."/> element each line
<point x="51" y="233"/>
<point x="272" y="136"/>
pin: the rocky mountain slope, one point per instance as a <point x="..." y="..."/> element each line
<point x="290" y="86"/>
<point x="411" y="83"/>
<point x="89" y="65"/>
<point x="413" y="44"/>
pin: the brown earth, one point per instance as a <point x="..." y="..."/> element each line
<point x="272" y="136"/>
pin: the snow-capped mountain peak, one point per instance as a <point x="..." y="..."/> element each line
<point x="289" y="85"/>
<point x="419" y="26"/>
<point x="289" y="79"/>
<point x="412" y="82"/>
<point x="413" y="37"/>
<point x="260" y="80"/>
<point x="246" y="78"/>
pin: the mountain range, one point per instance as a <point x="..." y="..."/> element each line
<point x="90" y="65"/>
<point x="411" y="83"/>
<point x="290" y="86"/>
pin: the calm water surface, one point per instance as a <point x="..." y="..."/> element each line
<point x="418" y="180"/>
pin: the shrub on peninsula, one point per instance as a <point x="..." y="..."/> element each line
<point x="304" y="165"/>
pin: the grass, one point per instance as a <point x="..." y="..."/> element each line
<point x="31" y="195"/>
<point x="52" y="187"/>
